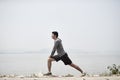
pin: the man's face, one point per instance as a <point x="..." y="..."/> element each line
<point x="53" y="36"/>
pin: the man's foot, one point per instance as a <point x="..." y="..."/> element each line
<point x="83" y="74"/>
<point x="48" y="74"/>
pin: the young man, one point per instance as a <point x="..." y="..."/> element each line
<point x="62" y="55"/>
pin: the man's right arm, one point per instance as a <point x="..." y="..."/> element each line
<point x="54" y="48"/>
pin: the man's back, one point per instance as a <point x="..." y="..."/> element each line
<point x="60" y="49"/>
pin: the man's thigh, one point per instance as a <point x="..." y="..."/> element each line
<point x="56" y="57"/>
<point x="52" y="59"/>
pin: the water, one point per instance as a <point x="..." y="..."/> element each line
<point x="37" y="62"/>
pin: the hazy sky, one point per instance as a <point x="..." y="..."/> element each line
<point x="87" y="25"/>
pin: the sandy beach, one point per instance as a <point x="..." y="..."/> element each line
<point x="65" y="78"/>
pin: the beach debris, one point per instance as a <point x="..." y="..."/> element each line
<point x="69" y="75"/>
<point x="95" y="75"/>
<point x="106" y="79"/>
<point x="20" y="76"/>
<point x="40" y="75"/>
<point x="84" y="79"/>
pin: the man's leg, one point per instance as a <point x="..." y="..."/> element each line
<point x="49" y="63"/>
<point x="76" y="67"/>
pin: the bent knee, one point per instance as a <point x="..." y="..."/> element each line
<point x="50" y="59"/>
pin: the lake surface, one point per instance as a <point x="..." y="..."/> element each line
<point x="29" y="63"/>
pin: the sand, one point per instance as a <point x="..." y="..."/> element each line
<point x="65" y="78"/>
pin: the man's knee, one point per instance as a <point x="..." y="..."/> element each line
<point x="50" y="59"/>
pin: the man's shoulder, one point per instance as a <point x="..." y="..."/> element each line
<point x="58" y="40"/>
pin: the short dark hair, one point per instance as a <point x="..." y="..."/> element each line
<point x="55" y="33"/>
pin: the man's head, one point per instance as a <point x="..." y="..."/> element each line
<point x="54" y="34"/>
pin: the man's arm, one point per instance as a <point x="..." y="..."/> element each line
<point x="54" y="48"/>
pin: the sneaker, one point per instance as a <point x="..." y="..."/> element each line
<point x="48" y="74"/>
<point x="83" y="74"/>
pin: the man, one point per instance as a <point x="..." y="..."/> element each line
<point x="62" y="55"/>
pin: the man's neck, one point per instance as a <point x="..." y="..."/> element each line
<point x="55" y="38"/>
